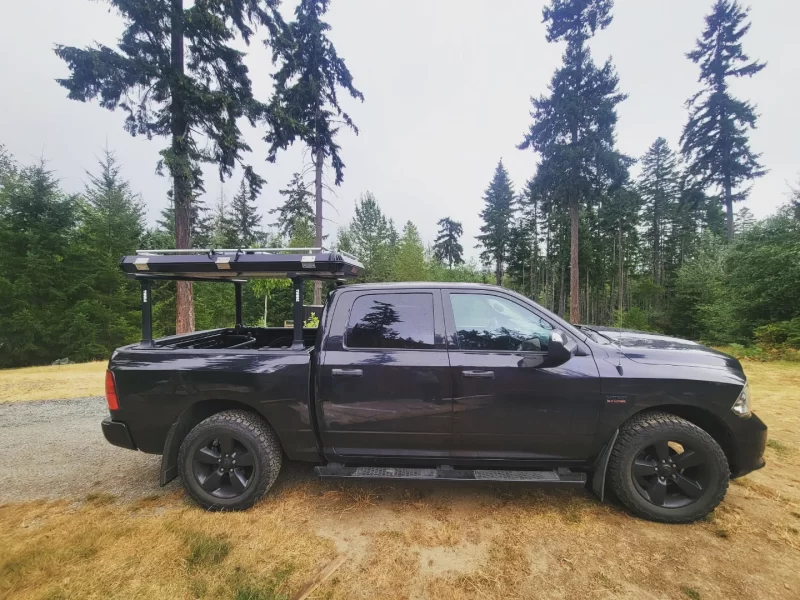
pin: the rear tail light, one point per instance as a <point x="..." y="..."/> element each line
<point x="111" y="392"/>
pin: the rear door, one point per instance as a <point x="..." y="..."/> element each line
<point x="507" y="404"/>
<point x="384" y="382"/>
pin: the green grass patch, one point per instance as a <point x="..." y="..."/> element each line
<point x="691" y="593"/>
<point x="781" y="448"/>
<point x="206" y="550"/>
<point x="247" y="587"/>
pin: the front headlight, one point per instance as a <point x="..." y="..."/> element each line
<point x="742" y="405"/>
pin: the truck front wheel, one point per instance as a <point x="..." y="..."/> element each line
<point x="230" y="460"/>
<point x="666" y="469"/>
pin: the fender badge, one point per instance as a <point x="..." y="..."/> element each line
<point x="616" y="399"/>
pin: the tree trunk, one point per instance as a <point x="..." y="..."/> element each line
<point x="562" y="293"/>
<point x="498" y="271"/>
<point x="621" y="271"/>
<point x="318" y="163"/>
<point x="180" y="168"/>
<point x="574" y="273"/>
<point x="729" y="207"/>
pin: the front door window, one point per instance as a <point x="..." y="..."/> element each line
<point x="488" y="322"/>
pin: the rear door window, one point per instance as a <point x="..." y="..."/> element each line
<point x="380" y="321"/>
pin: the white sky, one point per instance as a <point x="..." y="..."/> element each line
<point x="447" y="87"/>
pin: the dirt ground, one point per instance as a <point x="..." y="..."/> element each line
<point x="433" y="541"/>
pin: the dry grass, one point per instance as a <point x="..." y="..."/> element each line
<point x="443" y="542"/>
<point x="57" y="381"/>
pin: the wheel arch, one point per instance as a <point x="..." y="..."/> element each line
<point x="186" y="421"/>
<point x="706" y="420"/>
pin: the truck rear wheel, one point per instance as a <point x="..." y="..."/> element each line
<point x="230" y="460"/>
<point x="666" y="469"/>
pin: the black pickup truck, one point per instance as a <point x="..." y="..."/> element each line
<point x="427" y="381"/>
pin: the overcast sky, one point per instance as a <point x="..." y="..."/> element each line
<point x="447" y="88"/>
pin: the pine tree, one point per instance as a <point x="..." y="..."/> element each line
<point x="201" y="225"/>
<point x="573" y="126"/>
<point x="305" y="106"/>
<point x="715" y="138"/>
<point x="176" y="73"/>
<point x="446" y="247"/>
<point x="496" y="215"/>
<point x="245" y="218"/>
<point x="744" y="220"/>
<point x="659" y="187"/>
<point x="223" y="228"/>
<point x="524" y="268"/>
<point x="409" y="260"/>
<point x="297" y="205"/>
<point x="37" y="224"/>
<point x="368" y="236"/>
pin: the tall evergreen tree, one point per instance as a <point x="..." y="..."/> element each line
<point x="715" y="138"/>
<point x="245" y="217"/>
<point x="297" y="205"/>
<point x="659" y="187"/>
<point x="744" y="220"/>
<point x="446" y="247"/>
<point x="37" y="225"/>
<point x="176" y="73"/>
<point x="409" y="260"/>
<point x="368" y="236"/>
<point x="105" y="311"/>
<point x="496" y="215"/>
<point x="573" y="126"/>
<point x="305" y="106"/>
<point x="223" y="228"/>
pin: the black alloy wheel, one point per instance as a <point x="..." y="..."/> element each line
<point x="667" y="469"/>
<point x="223" y="466"/>
<point x="229" y="460"/>
<point x="670" y="474"/>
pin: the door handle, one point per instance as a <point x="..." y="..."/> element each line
<point x="347" y="372"/>
<point x="478" y="374"/>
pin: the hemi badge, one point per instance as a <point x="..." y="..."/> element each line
<point x="308" y="261"/>
<point x="616" y="399"/>
<point x="223" y="262"/>
<point x="141" y="263"/>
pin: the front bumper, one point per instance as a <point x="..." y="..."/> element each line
<point x="749" y="442"/>
<point x="117" y="433"/>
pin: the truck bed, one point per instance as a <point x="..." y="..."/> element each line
<point x="244" y="338"/>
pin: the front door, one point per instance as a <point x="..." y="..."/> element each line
<point x="507" y="404"/>
<point x="384" y="384"/>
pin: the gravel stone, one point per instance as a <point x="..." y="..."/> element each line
<point x="55" y="449"/>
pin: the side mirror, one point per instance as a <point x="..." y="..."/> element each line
<point x="560" y="348"/>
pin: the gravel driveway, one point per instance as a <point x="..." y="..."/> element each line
<point x="55" y="449"/>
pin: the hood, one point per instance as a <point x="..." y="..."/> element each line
<point x="657" y="349"/>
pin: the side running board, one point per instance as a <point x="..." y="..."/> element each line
<point x="556" y="477"/>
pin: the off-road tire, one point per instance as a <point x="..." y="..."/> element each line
<point x="250" y="429"/>
<point x="643" y="430"/>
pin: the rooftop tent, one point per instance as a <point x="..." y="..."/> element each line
<point x="256" y="263"/>
<point x="237" y="266"/>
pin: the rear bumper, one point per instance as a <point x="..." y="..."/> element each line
<point x="749" y="443"/>
<point x="117" y="433"/>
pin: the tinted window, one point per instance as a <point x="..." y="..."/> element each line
<point x="391" y="321"/>
<point x="485" y="322"/>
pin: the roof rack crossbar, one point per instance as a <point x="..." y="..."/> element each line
<point x="235" y="250"/>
